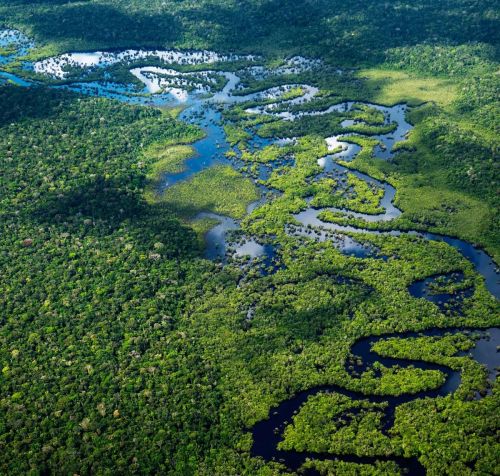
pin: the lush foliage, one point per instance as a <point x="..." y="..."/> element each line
<point x="123" y="350"/>
<point x="220" y="189"/>
<point x="353" y="32"/>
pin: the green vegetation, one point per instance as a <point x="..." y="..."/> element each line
<point x="444" y="60"/>
<point x="236" y="135"/>
<point x="170" y="159"/>
<point x="168" y="156"/>
<point x="201" y="227"/>
<point x="332" y="468"/>
<point x="87" y="267"/>
<point x="124" y="351"/>
<point x="392" y="87"/>
<point x="111" y="324"/>
<point x="361" y="436"/>
<point x="219" y="189"/>
<point x="359" y="196"/>
<point x="353" y="33"/>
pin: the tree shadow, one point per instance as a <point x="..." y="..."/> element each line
<point x="78" y="26"/>
<point x="19" y="103"/>
<point x="101" y="207"/>
<point x="345" y="32"/>
<point x="355" y="31"/>
<point x="42" y="2"/>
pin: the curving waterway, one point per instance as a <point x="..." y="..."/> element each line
<point x="267" y="434"/>
<point x="198" y="92"/>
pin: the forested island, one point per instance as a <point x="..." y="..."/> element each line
<point x="253" y="237"/>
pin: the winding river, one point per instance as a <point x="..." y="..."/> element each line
<point x="166" y="86"/>
<point x="267" y="434"/>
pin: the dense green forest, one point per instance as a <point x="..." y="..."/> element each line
<point x="124" y="350"/>
<point x="346" y="33"/>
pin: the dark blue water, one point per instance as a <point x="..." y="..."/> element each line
<point x="448" y="303"/>
<point x="210" y="150"/>
<point x="12" y="78"/>
<point x="268" y="433"/>
<point x="482" y="263"/>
